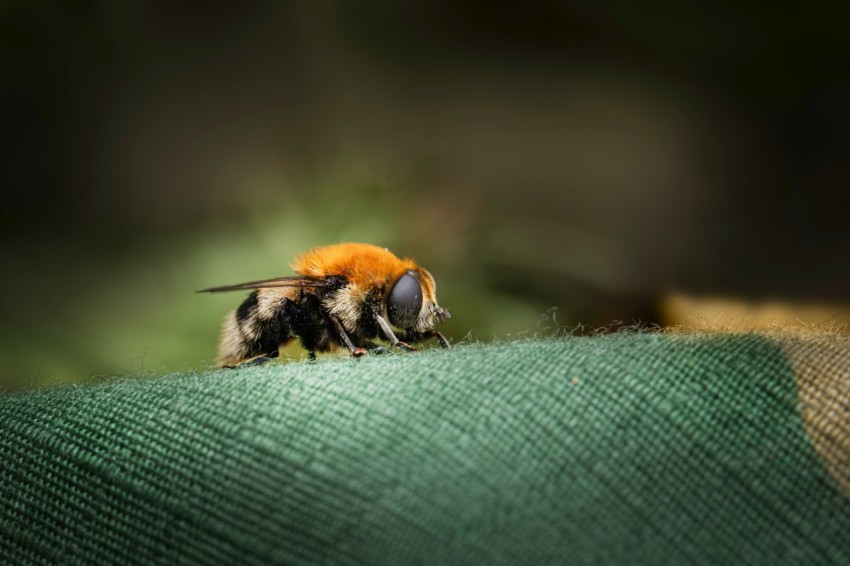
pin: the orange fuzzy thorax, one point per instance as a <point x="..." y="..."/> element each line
<point x="363" y="264"/>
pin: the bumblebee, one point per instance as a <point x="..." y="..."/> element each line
<point x="345" y="295"/>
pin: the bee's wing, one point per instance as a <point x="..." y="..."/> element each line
<point x="294" y="281"/>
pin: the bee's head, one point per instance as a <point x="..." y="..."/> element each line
<point x="412" y="303"/>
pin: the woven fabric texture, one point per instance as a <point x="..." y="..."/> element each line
<point x="627" y="448"/>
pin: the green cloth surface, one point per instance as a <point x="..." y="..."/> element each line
<point x="627" y="448"/>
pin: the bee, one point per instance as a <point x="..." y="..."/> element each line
<point x="345" y="295"/>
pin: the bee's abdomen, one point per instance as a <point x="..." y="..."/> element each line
<point x="252" y="329"/>
<point x="232" y="347"/>
<point x="248" y="319"/>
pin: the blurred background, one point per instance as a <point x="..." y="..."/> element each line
<point x="598" y="158"/>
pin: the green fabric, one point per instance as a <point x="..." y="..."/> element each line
<point x="628" y="448"/>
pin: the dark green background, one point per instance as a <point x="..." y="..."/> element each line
<point x="590" y="156"/>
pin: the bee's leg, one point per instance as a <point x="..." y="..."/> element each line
<point x="419" y="336"/>
<point x="440" y="338"/>
<point x="258" y="360"/>
<point x="340" y="329"/>
<point x="376" y="349"/>
<point x="388" y="332"/>
<point x="255" y="361"/>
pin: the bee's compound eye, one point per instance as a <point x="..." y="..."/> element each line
<point x="405" y="301"/>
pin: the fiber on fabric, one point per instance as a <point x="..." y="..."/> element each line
<point x="619" y="449"/>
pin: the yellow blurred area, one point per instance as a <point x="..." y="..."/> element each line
<point x="737" y="315"/>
